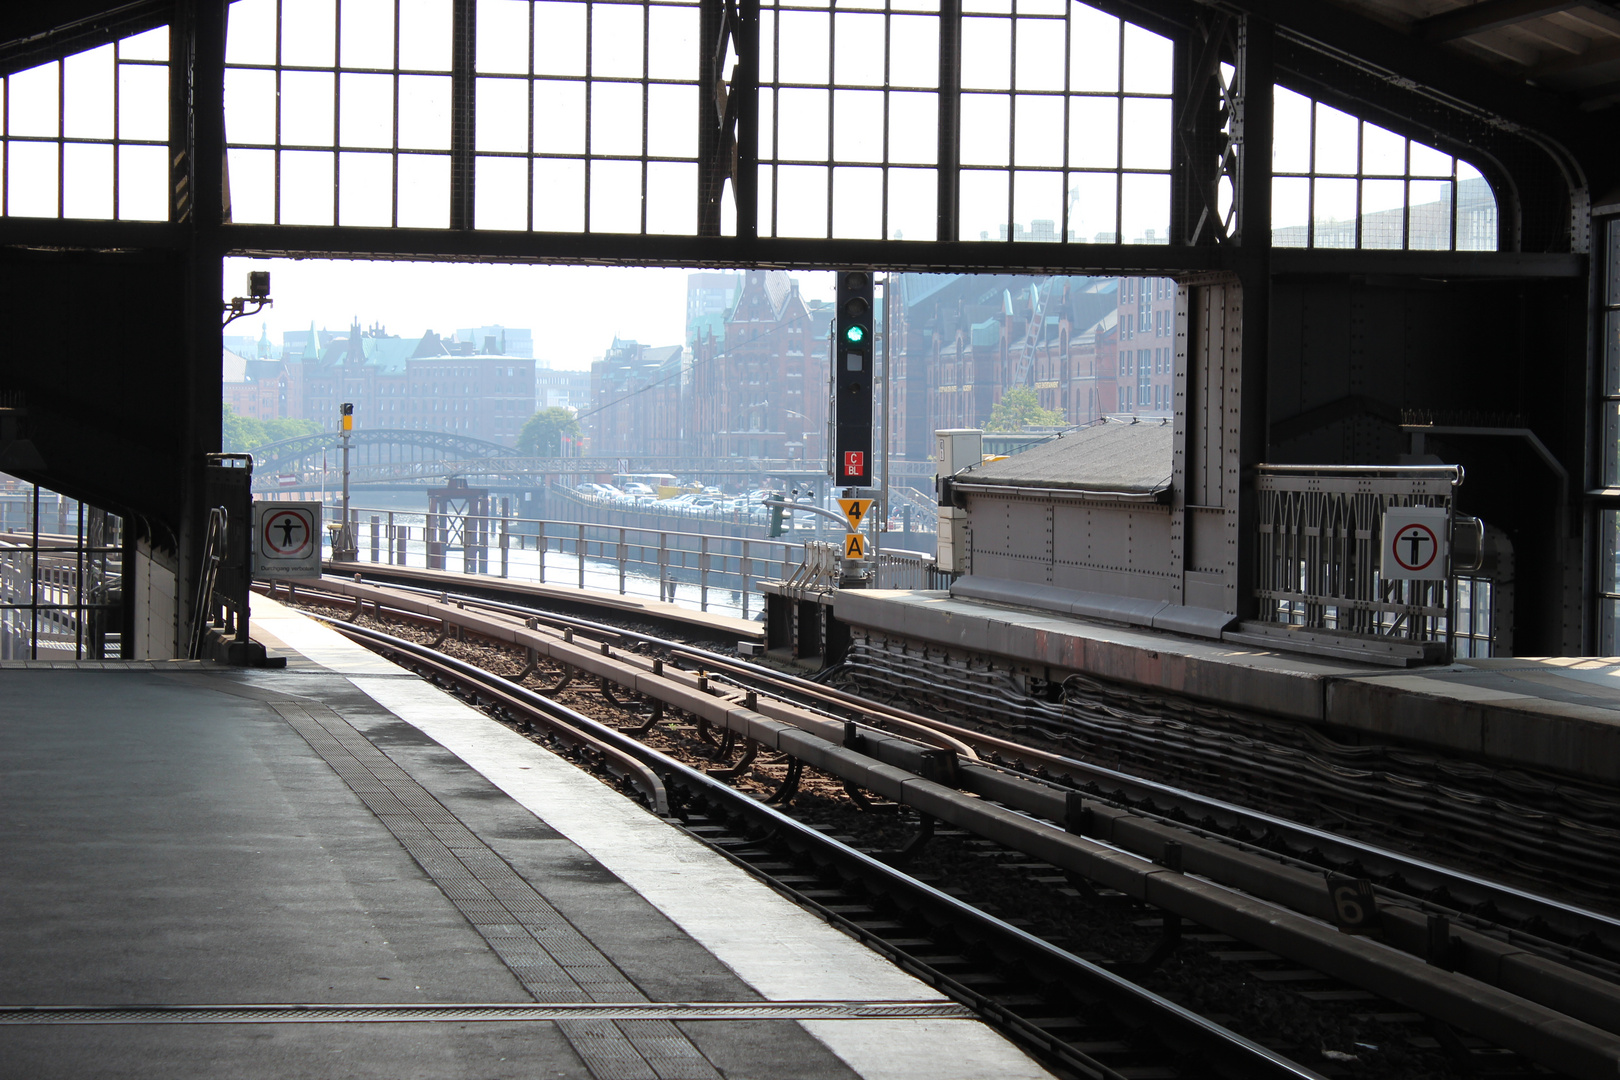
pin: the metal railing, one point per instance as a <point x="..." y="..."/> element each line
<point x="1319" y="546"/>
<point x="702" y="570"/>
<point x="61" y="578"/>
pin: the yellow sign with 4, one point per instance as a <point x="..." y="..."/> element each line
<point x="855" y="511"/>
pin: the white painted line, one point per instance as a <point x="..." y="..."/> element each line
<point x="783" y="952"/>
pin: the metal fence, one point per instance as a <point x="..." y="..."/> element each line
<point x="706" y="571"/>
<point x="1319" y="544"/>
<point x="61" y="578"/>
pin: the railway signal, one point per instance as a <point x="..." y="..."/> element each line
<point x="852" y="380"/>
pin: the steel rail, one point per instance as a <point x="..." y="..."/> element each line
<point x="1555" y="996"/>
<point x="1424" y="876"/>
<point x="1212" y="1039"/>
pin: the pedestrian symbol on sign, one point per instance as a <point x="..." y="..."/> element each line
<point x="1414" y="543"/>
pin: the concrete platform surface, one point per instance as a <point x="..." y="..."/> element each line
<point x="1559" y="714"/>
<point x="340" y="833"/>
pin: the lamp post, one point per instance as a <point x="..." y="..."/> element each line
<point x="343" y="545"/>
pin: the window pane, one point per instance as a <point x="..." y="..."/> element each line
<point x="801" y="207"/>
<point x="308" y="31"/>
<point x="250" y="36"/>
<point x="1335" y="214"/>
<point x="984" y="205"/>
<point x="1038" y="130"/>
<point x="1427" y="161"/>
<point x="559" y="118"/>
<point x="424" y="191"/>
<point x="152" y="45"/>
<point x="252" y="183"/>
<point x="143" y="182"/>
<point x="366" y="108"/>
<point x="424" y="112"/>
<point x="1430" y="213"/>
<point x="503" y="114"/>
<point x="1477" y="224"/>
<point x="250" y="106"/>
<point x="615" y="119"/>
<point x="913" y="128"/>
<point x="616" y="40"/>
<point x="804" y="55"/>
<point x="672" y="43"/>
<point x="424" y="35"/>
<point x="1145" y="208"/>
<point x="559" y="196"/>
<point x="913" y="50"/>
<point x="672" y="198"/>
<point x="1093" y="199"/>
<point x="87" y="187"/>
<point x="559" y="38"/>
<point x="1335" y="140"/>
<point x="306" y="108"/>
<point x="857" y="125"/>
<point x="1291" y="142"/>
<point x="1290" y="211"/>
<point x="365" y="189"/>
<point x="672" y="121"/>
<point x="1149" y="60"/>
<point x="87" y="106"/>
<point x="986" y="54"/>
<point x="1383" y="214"/>
<point x="1147" y="133"/>
<point x="31" y="180"/>
<point x="33" y="102"/>
<point x="858" y="43"/>
<point x="1037" y="206"/>
<point x="1094" y="132"/>
<point x="367" y="33"/>
<point x="1040" y="63"/>
<point x="1093" y="50"/>
<point x="306" y="187"/>
<point x="616" y="196"/>
<point x="1611" y="353"/>
<point x="802" y="125"/>
<point x="913" y="198"/>
<point x="501" y="193"/>
<point x="503" y="37"/>
<point x="858" y="203"/>
<point x="1383" y="153"/>
<point x="985" y="121"/>
<point x="143" y="102"/>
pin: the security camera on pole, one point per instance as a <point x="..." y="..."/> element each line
<point x="343" y="546"/>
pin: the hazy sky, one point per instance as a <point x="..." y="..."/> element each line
<point x="574" y="312"/>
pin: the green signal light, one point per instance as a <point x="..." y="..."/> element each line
<point x="855" y="334"/>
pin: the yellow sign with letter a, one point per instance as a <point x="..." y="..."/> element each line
<point x="854" y="546"/>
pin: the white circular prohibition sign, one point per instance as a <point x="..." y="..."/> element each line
<point x="1415" y="536"/>
<point x="287" y="534"/>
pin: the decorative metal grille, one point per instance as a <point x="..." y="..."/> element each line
<point x="87" y="137"/>
<point x="1318" y="552"/>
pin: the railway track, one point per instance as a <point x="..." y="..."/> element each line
<point x="1189" y="882"/>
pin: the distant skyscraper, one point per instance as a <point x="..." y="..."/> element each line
<point x="710" y="294"/>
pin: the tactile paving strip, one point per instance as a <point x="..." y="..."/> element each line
<point x="553" y="961"/>
<point x="595" y="1012"/>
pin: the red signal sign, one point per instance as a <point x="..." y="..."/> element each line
<point x="854" y="463"/>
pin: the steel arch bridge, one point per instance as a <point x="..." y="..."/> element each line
<point x="372" y="448"/>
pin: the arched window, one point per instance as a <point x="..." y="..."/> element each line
<point x="1342" y="182"/>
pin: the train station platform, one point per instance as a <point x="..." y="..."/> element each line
<point x="408" y="889"/>
<point x="1561" y="714"/>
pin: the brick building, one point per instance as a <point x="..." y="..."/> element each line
<point x="759" y="375"/>
<point x="639" y="398"/>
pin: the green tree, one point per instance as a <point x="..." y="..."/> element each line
<point x="542" y="435"/>
<point x="1020" y="408"/>
<point x="239" y="434"/>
